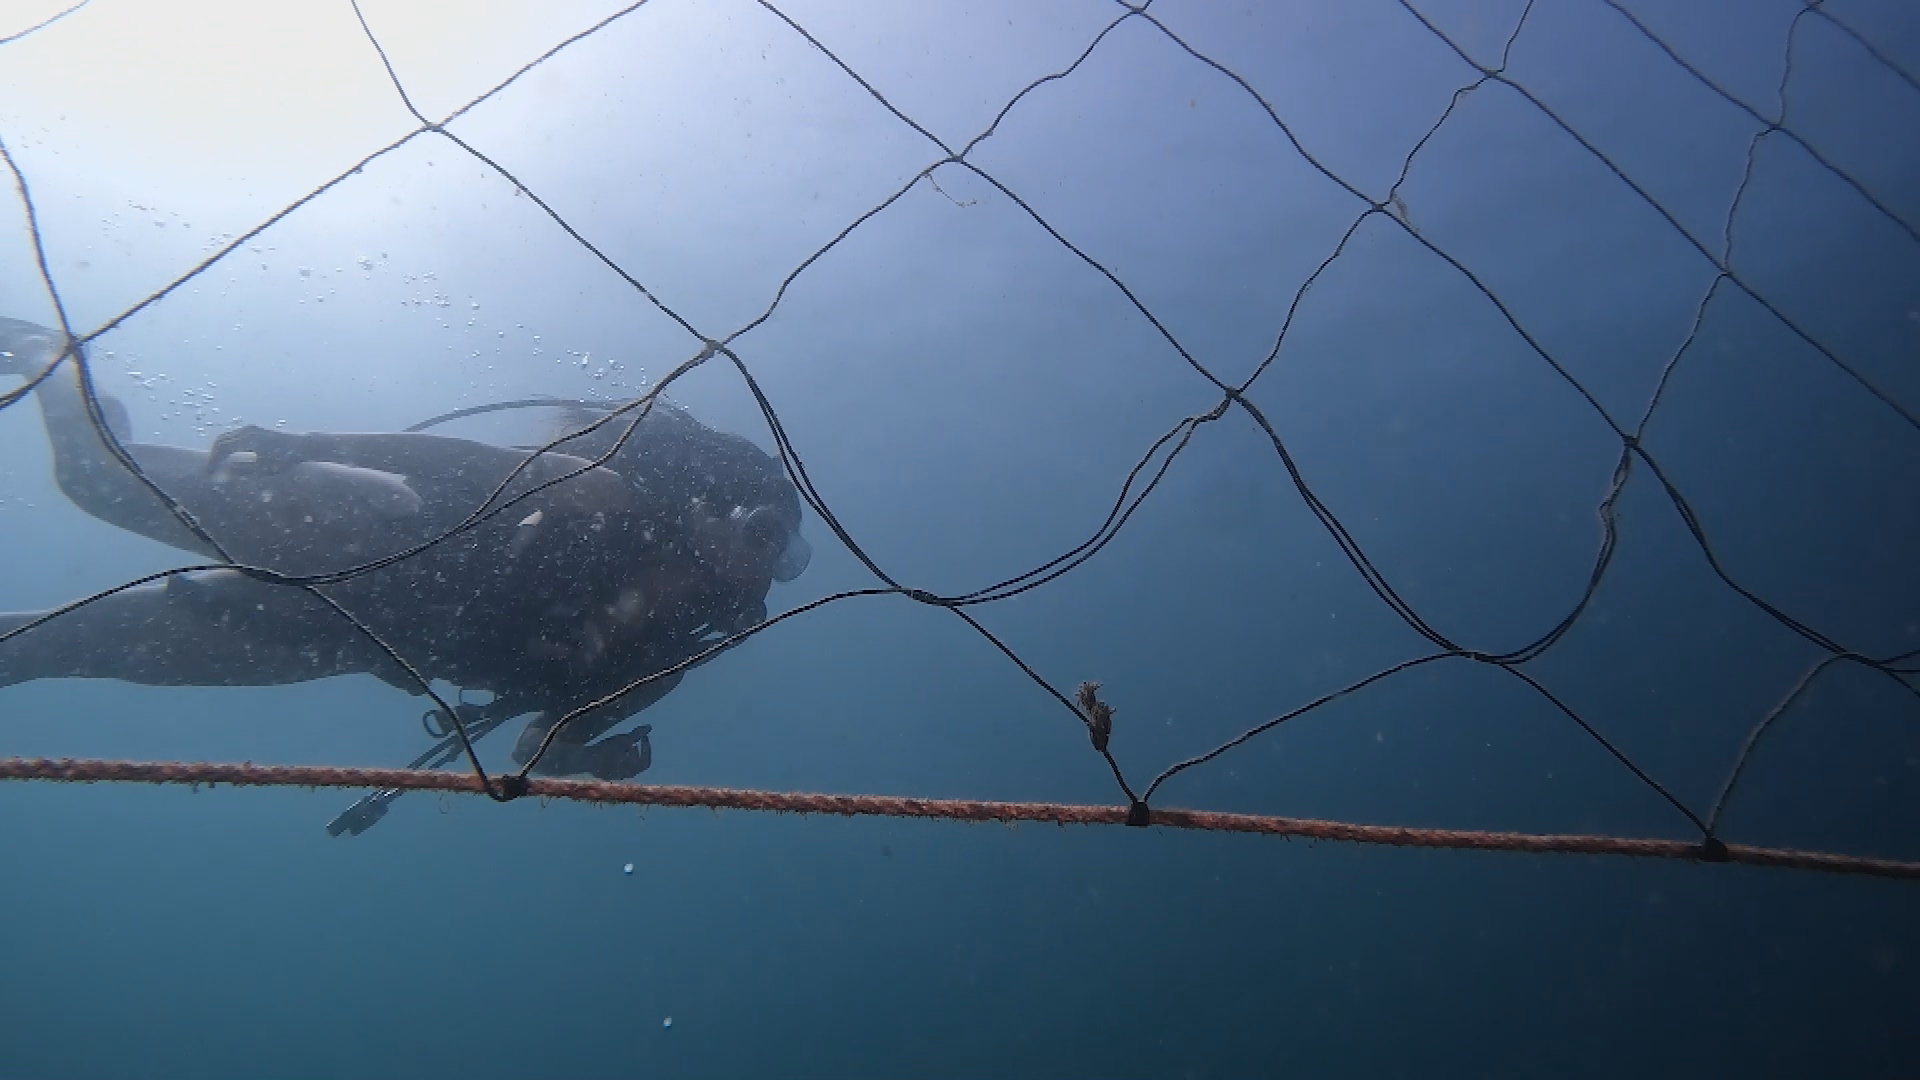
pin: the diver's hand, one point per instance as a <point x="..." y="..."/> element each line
<point x="620" y="757"/>
<point x="267" y="451"/>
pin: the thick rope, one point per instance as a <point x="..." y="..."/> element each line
<point x="93" y="770"/>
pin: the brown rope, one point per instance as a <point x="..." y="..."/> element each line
<point x="92" y="770"/>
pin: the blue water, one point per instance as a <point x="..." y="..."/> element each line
<point x="968" y="394"/>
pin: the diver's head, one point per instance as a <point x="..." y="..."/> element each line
<point x="746" y="548"/>
<point x="735" y="506"/>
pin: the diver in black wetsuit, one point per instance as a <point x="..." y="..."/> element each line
<point x="568" y="596"/>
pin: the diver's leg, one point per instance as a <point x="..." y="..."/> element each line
<point x="156" y="635"/>
<point x="87" y="472"/>
<point x="246" y="510"/>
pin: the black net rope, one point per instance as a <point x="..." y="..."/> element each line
<point x="1635" y="462"/>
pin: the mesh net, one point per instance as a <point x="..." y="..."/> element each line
<point x="1717" y="381"/>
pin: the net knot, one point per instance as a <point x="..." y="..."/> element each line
<point x="1713" y="849"/>
<point x="924" y="597"/>
<point x="512" y="786"/>
<point x="1139" y="815"/>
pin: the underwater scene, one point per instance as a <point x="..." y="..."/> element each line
<point x="960" y="538"/>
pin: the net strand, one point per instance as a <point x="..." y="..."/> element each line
<point x="1867" y="45"/>
<point x="1779" y="123"/>
<point x="1667" y="215"/>
<point x="43" y="24"/>
<point x="1766" y="722"/>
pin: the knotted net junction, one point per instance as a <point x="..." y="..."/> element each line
<point x="1635" y="464"/>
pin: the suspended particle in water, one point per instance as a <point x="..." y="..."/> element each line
<point x="627" y="869"/>
<point x="667" y="1023"/>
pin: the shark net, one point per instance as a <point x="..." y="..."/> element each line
<point x="1380" y="258"/>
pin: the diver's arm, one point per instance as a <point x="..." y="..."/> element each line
<point x="627" y="755"/>
<point x="574" y="751"/>
<point x="616" y="757"/>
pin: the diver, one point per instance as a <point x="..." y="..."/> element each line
<point x="571" y="594"/>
